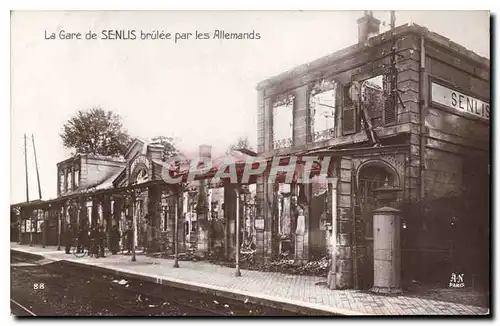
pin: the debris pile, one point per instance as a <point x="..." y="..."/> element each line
<point x="287" y="266"/>
<point x="290" y="266"/>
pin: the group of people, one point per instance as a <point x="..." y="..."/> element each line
<point x="94" y="239"/>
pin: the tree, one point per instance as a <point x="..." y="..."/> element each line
<point x="241" y="143"/>
<point x="168" y="144"/>
<point x="95" y="131"/>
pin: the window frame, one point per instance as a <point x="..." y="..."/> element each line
<point x="388" y="98"/>
<point x="324" y="86"/>
<point x="352" y="107"/>
<point x="283" y="101"/>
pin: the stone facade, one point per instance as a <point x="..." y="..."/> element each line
<point x="423" y="147"/>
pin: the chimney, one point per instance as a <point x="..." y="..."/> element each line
<point x="368" y="26"/>
<point x="155" y="152"/>
<point x="205" y="151"/>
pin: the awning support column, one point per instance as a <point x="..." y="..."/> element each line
<point x="59" y="215"/>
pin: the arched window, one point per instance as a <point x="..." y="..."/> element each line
<point x="142" y="176"/>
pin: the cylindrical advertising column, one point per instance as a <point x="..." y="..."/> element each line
<point x="386" y="250"/>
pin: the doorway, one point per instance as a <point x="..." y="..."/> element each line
<point x="370" y="177"/>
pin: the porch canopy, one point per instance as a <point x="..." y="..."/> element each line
<point x="245" y="159"/>
<point x="220" y="169"/>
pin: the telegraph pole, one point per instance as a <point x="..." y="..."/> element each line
<point x="26" y="168"/>
<point x="134" y="226"/>
<point x="176" y="231"/>
<point x="27" y="188"/>
<point x="36" y="165"/>
<point x="238" y="272"/>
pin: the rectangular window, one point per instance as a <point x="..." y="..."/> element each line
<point x="373" y="101"/>
<point x="349" y="116"/>
<point x="163" y="225"/>
<point x="61" y="181"/>
<point x="283" y="122"/>
<point x="322" y="111"/>
<point x="77" y="178"/>
<point x="39" y="226"/>
<point x="70" y="179"/>
<point x="66" y="179"/>
<point x="39" y="221"/>
<point x="390" y="104"/>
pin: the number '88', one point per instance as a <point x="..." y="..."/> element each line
<point x="38" y="286"/>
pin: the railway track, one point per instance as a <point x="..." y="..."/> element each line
<point x="133" y="300"/>
<point x="14" y="305"/>
<point x="119" y="299"/>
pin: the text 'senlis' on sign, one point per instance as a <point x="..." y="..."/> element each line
<point x="459" y="101"/>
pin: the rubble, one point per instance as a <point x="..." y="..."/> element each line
<point x="287" y="266"/>
<point x="290" y="266"/>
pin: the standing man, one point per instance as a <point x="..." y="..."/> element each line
<point x="68" y="238"/>
<point x="144" y="235"/>
<point x="93" y="242"/>
<point x="83" y="238"/>
<point x="114" y="239"/>
<point x="130" y="238"/>
<point x="101" y="240"/>
<point x="149" y="236"/>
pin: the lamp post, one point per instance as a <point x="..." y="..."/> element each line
<point x="19" y="223"/>
<point x="58" y="231"/>
<point x="134" y="229"/>
<point x="237" y="190"/>
<point x="176" y="231"/>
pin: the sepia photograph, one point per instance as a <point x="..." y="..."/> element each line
<point x="280" y="163"/>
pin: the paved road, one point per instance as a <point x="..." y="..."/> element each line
<point x="59" y="289"/>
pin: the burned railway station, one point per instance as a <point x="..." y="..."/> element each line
<point x="398" y="127"/>
<point x="407" y="109"/>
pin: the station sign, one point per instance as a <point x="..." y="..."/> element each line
<point x="460" y="102"/>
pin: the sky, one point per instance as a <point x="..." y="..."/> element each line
<point x="199" y="91"/>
